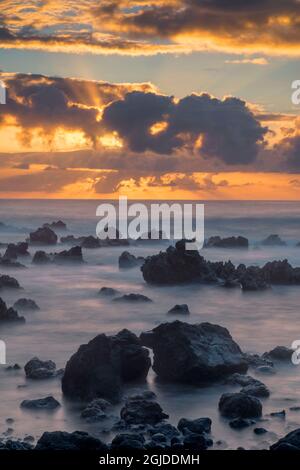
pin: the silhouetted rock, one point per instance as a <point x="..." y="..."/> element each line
<point x="40" y="257"/>
<point x="26" y="304"/>
<point x="108" y="292"/>
<point x="230" y="242"/>
<point x="193" y="353"/>
<point x="127" y="441"/>
<point x="198" y="426"/>
<point x="259" y="431"/>
<point x="142" y="412"/>
<point x="96" y="410"/>
<point x="13" y="251"/>
<point x="37" y="369"/>
<point x="90" y="242"/>
<point x="59" y="225"/>
<point x="239" y="405"/>
<point x="15" y="445"/>
<point x="251" y="283"/>
<point x="133" y="298"/>
<point x="241" y="423"/>
<point x="47" y="403"/>
<point x="280" y="353"/>
<point x="9" y="315"/>
<point x="290" y="442"/>
<point x="127" y="260"/>
<point x="73" y="255"/>
<point x="8" y="282"/>
<point x="273" y="240"/>
<point x="7" y="263"/>
<point x="43" y="236"/>
<point x="98" y="369"/>
<point x="78" y="440"/>
<point x="182" y="309"/>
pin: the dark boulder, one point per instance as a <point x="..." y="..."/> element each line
<point x="73" y="255"/>
<point x="176" y="265"/>
<point x="7" y="282"/>
<point x="41" y="257"/>
<point x="37" y="369"/>
<point x="256" y="389"/>
<point x="197" y="442"/>
<point x="127" y="260"/>
<point x="43" y="236"/>
<point x="108" y="292"/>
<point x="77" y="440"/>
<point x="13" y="251"/>
<point x="198" y="426"/>
<point x="290" y="442"/>
<point x="47" y="403"/>
<point x="127" y="441"/>
<point x="59" y="225"/>
<point x="278" y="414"/>
<point x="98" y="369"/>
<point x="239" y="405"/>
<point x="193" y="353"/>
<point x="230" y="242"/>
<point x="96" y="410"/>
<point x="278" y="272"/>
<point x="133" y="298"/>
<point x="280" y="353"/>
<point x="273" y="240"/>
<point x="26" y="304"/>
<point x="182" y="309"/>
<point x="13" y="445"/>
<point x="90" y="242"/>
<point x="241" y="423"/>
<point x="142" y="412"/>
<point x="9" y="315"/>
<point x="259" y="431"/>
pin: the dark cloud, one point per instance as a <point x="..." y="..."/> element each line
<point x="228" y="129"/>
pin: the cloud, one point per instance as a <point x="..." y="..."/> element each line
<point x="136" y="27"/>
<point x="253" y="61"/>
<point x="223" y="129"/>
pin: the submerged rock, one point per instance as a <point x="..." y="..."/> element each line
<point x="273" y="240"/>
<point x="280" y="353"/>
<point x="98" y="369"/>
<point x="133" y="298"/>
<point x="78" y="440"/>
<point x="278" y="414"/>
<point x="239" y="405"/>
<point x="59" y="225"/>
<point x="9" y="315"/>
<point x="7" y="282"/>
<point x="182" y="309"/>
<point x="73" y="255"/>
<point x="43" y="236"/>
<point x="96" y="410"/>
<point x="127" y="260"/>
<point x="41" y="257"/>
<point x="193" y="353"/>
<point x="90" y="242"/>
<point x="230" y="242"/>
<point x="108" y="292"/>
<point x="13" y="251"/>
<point x="47" y="403"/>
<point x="241" y="423"/>
<point x="26" y="304"/>
<point x="37" y="369"/>
<point x="142" y="412"/>
<point x="256" y="389"/>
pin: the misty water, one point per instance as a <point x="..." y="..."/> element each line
<point x="71" y="313"/>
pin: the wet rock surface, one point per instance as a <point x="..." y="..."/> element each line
<point x="98" y="369"/>
<point x="78" y="440"/>
<point x="9" y="315"/>
<point x="43" y="236"/>
<point x="37" y="369"/>
<point x="47" y="403"/>
<point x="193" y="353"/>
<point x="239" y="405"/>
<point x="290" y="442"/>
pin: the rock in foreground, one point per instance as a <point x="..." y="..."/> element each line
<point x="98" y="369"/>
<point x="37" y="369"/>
<point x="142" y="411"/>
<point x="47" y="403"/>
<point x="239" y="405"/>
<point x="193" y="353"/>
<point x="77" y="440"/>
<point x="43" y="236"/>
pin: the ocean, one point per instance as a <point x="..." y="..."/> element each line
<point x="71" y="313"/>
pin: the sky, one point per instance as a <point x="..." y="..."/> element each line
<point x="168" y="99"/>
